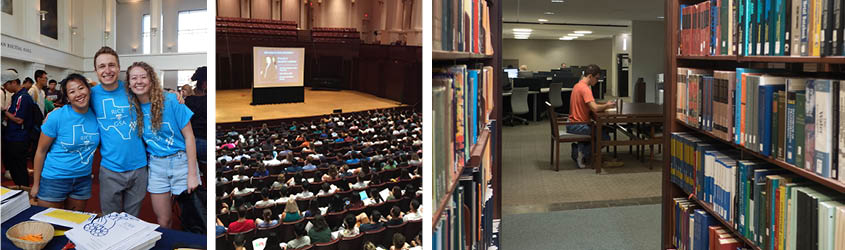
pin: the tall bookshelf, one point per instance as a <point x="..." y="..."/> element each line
<point x="487" y="150"/>
<point x="814" y="66"/>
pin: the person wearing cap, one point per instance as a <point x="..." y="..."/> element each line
<point x="123" y="168"/>
<point x="16" y="133"/>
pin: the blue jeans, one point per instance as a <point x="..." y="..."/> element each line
<point x="57" y="190"/>
<point x="201" y="151"/>
<point x="169" y="173"/>
<point x="584" y="147"/>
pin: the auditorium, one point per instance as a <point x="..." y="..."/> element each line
<point x="72" y="130"/>
<point x="319" y="124"/>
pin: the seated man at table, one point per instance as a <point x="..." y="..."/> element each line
<point x="581" y="104"/>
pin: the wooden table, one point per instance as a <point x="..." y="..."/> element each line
<point x="630" y="113"/>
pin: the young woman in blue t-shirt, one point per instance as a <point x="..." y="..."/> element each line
<point x="62" y="177"/>
<point x="164" y="125"/>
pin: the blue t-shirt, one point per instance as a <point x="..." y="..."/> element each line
<point x="75" y="139"/>
<point x="21" y="106"/>
<point x="168" y="139"/>
<point x="122" y="148"/>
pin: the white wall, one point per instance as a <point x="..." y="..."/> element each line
<point x="544" y="55"/>
<point x="129" y="26"/>
<point x="648" y="54"/>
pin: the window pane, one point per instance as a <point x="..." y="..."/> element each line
<point x="193" y="30"/>
<point x="184" y="77"/>
<point x="145" y="34"/>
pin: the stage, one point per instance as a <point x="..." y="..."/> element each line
<point x="233" y="104"/>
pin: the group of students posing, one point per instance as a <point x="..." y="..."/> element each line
<point x="145" y="137"/>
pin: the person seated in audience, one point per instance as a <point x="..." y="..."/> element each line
<point x="320" y="231"/>
<point x="326" y="189"/>
<point x="266" y="219"/>
<point x="239" y="242"/>
<point x="413" y="214"/>
<point x="242" y="224"/>
<point x="261" y="172"/>
<point x="278" y="183"/>
<point x="219" y="228"/>
<point x="336" y="204"/>
<point x="370" y="246"/>
<point x="291" y="212"/>
<point x="306" y="193"/>
<point x="395" y="193"/>
<point x="301" y="238"/>
<point x="240" y="175"/>
<point x="313" y="209"/>
<point x="297" y="179"/>
<point x="241" y="189"/>
<point x="416" y="243"/>
<point x="374" y="222"/>
<point x="265" y="199"/>
<point x="415" y="160"/>
<point x="309" y="166"/>
<point x="284" y="196"/>
<point x="395" y="217"/>
<point x="399" y="242"/>
<point x="350" y="229"/>
<point x="359" y="182"/>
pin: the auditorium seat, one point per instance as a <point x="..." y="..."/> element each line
<point x="390" y="230"/>
<point x="352" y="243"/>
<point x="331" y="245"/>
<point x="223" y="243"/>
<point x="302" y="248"/>
<point x="335" y="219"/>
<point x="412" y="229"/>
<point x="269" y="232"/>
<point x="377" y="237"/>
<point x="286" y="230"/>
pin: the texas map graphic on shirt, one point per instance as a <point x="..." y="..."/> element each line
<point x="81" y="143"/>
<point x="117" y="118"/>
<point x="162" y="138"/>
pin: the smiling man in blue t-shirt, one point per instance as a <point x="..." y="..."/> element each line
<point x="123" y="169"/>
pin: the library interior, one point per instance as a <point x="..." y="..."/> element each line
<point x="683" y="124"/>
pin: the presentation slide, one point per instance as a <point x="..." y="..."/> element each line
<point x="278" y="67"/>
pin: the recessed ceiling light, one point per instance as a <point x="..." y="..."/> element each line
<point x="521" y="38"/>
<point x="549" y="13"/>
<point x="583" y="32"/>
<point x="566" y="38"/>
<point x="542" y="20"/>
<point x="575" y="34"/>
<point x="660" y="17"/>
<point x="522" y="33"/>
<point x="522" y="30"/>
<point x="557" y="1"/>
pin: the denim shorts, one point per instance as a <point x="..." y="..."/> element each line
<point x="57" y="190"/>
<point x="169" y="173"/>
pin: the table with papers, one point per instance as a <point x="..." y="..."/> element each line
<point x="169" y="238"/>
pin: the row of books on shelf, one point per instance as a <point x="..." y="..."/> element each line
<point x="792" y="119"/>
<point x="462" y="25"/>
<point x="467" y="220"/>
<point x="764" y="203"/>
<point x="694" y="229"/>
<point x="762" y="27"/>
<point x="461" y="100"/>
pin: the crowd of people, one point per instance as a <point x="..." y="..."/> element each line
<point x="329" y="178"/>
<point x="149" y="140"/>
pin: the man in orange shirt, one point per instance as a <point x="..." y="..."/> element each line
<point x="581" y="104"/>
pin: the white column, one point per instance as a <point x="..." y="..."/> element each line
<point x="110" y="24"/>
<point x="31" y="20"/>
<point x="416" y="24"/>
<point x="155" y="27"/>
<point x="65" y="19"/>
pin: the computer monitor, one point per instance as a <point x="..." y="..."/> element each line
<point x="512" y="73"/>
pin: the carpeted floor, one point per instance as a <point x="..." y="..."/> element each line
<point x="622" y="227"/>
<point x="530" y="184"/>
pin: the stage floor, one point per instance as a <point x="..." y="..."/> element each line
<point x="233" y="104"/>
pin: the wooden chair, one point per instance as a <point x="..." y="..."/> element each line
<point x="558" y="136"/>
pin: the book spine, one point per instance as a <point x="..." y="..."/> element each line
<point x="800" y="128"/>
<point x="790" y="127"/>
<point x="805" y="27"/>
<point x="841" y="137"/>
<point x="795" y="21"/>
<point x="817" y="32"/>
<point x="823" y="127"/>
<point x="781" y="132"/>
<point x="809" y="127"/>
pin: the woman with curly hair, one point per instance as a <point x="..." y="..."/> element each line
<point x="164" y="125"/>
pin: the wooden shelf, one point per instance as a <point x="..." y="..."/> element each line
<point x="476" y="151"/>
<point x="827" y="182"/>
<point x="770" y="59"/>
<point x="706" y="207"/>
<point x="457" y="55"/>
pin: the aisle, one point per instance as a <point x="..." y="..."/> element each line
<point x="625" y="227"/>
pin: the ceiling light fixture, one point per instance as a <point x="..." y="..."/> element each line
<point x="549" y="13"/>
<point x="583" y="32"/>
<point x="557" y="1"/>
<point x="566" y="38"/>
<point x="522" y="33"/>
<point x="522" y="30"/>
<point x="575" y="35"/>
<point x="542" y="20"/>
<point x="660" y="17"/>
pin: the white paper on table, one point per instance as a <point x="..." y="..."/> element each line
<point x="384" y="193"/>
<point x="110" y="230"/>
<point x="57" y="216"/>
<point x="6" y="193"/>
<point x="145" y="242"/>
<point x="259" y="244"/>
